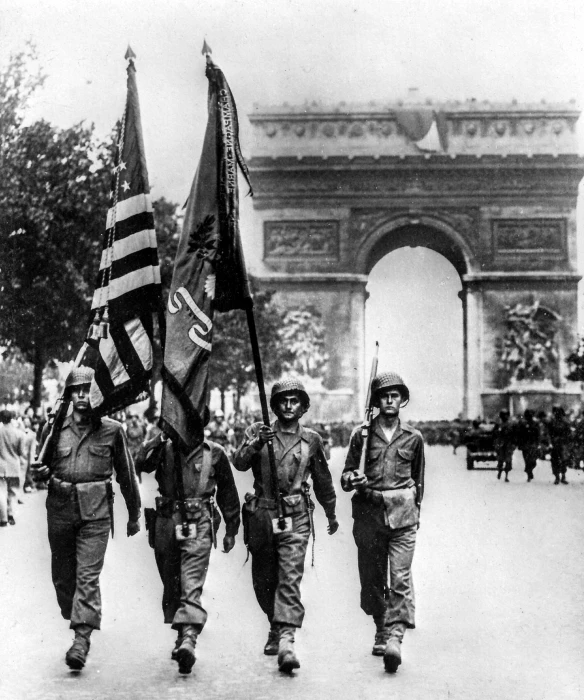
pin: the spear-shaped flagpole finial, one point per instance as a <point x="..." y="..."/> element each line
<point x="206" y="51"/>
<point x="130" y="55"/>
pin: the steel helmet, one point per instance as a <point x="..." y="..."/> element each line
<point x="286" y="385"/>
<point x="389" y="380"/>
<point x="79" y="375"/>
<point x="219" y="413"/>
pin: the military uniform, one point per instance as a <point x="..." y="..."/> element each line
<point x="504" y="441"/>
<point x="386" y="511"/>
<point x="183" y="563"/>
<point x="385" y="525"/>
<point x="278" y="561"/>
<point x="80" y="512"/>
<point x="529" y="440"/>
<point x="560" y="433"/>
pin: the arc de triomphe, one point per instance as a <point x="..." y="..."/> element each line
<point x="491" y="187"/>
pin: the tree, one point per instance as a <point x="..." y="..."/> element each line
<point x="291" y="342"/>
<point x="18" y="81"/>
<point x="54" y="187"/>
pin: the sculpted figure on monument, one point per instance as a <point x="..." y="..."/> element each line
<point x="529" y="349"/>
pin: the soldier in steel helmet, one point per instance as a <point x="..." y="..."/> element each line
<point x="386" y="508"/>
<point x="188" y="484"/>
<point x="278" y="559"/>
<point x="80" y="508"/>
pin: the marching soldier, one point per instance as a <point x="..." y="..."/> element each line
<point x="278" y="556"/>
<point x="529" y="441"/>
<point x="559" y="432"/>
<point x="504" y="444"/>
<point x="80" y="509"/>
<point x="386" y="511"/>
<point x="183" y="528"/>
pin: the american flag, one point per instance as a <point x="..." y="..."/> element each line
<point x="128" y="289"/>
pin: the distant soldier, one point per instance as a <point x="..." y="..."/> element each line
<point x="80" y="508"/>
<point x="578" y="440"/>
<point x="529" y="439"/>
<point x="278" y="558"/>
<point x="135" y="433"/>
<point x="504" y="439"/>
<point x="219" y="431"/>
<point x="187" y="486"/>
<point x="386" y="511"/>
<point x="560" y="432"/>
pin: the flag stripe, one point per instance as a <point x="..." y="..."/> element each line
<point x="136" y="223"/>
<point x="140" y="341"/>
<point x="121" y="285"/>
<point x="111" y="357"/>
<point x="146" y="257"/>
<point x="127" y="246"/>
<point x="129" y="207"/>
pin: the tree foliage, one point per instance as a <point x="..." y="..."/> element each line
<point x="291" y="342"/>
<point x="53" y="199"/>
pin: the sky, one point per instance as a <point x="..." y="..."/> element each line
<point x="278" y="51"/>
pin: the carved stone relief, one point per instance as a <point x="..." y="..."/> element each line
<point x="529" y="349"/>
<point x="529" y="236"/>
<point x="301" y="239"/>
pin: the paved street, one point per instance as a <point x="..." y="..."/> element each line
<point x="499" y="573"/>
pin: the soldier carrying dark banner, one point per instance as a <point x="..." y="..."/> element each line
<point x="80" y="508"/>
<point x="386" y="512"/>
<point x="187" y="483"/>
<point x="278" y="557"/>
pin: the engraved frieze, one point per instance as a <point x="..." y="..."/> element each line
<point x="529" y="236"/>
<point x="301" y="239"/>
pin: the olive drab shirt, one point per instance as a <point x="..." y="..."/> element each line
<point x="157" y="455"/>
<point x="93" y="455"/>
<point x="391" y="465"/>
<point x="289" y="450"/>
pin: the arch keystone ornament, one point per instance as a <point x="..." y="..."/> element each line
<point x="491" y="187"/>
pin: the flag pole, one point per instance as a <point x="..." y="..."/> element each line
<point x="255" y="349"/>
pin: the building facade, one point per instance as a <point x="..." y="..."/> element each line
<point x="491" y="187"/>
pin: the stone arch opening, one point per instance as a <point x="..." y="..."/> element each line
<point x="424" y="231"/>
<point x="413" y="307"/>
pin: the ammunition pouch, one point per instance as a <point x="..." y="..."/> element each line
<point x="150" y="516"/>
<point x="256" y="516"/>
<point x="294" y="505"/>
<point x="194" y="508"/>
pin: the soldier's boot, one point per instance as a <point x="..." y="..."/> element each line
<point x="287" y="659"/>
<point x="557" y="481"/>
<point x="176" y="646"/>
<point x="499" y="472"/>
<point x="563" y="479"/>
<point x="77" y="653"/>
<point x="392" y="653"/>
<point x="381" y="635"/>
<point x="272" y="645"/>
<point x="185" y="654"/>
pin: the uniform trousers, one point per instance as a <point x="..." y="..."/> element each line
<point x="530" y="454"/>
<point x="183" y="566"/>
<point x="559" y="458"/>
<point x="8" y="494"/>
<point x="77" y="554"/>
<point x="277" y="569"/>
<point x="382" y="550"/>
